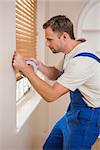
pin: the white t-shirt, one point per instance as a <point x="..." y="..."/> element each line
<point x="82" y="73"/>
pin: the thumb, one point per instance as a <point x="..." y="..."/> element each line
<point x="34" y="60"/>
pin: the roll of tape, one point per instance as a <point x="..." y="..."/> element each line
<point x="30" y="62"/>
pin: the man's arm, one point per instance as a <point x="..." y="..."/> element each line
<point x="48" y="92"/>
<point x="52" y="73"/>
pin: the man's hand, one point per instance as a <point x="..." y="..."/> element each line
<point x="49" y="71"/>
<point x="37" y="62"/>
<point x="18" y="62"/>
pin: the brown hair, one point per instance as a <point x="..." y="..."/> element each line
<point x="60" y="24"/>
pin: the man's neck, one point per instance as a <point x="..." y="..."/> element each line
<point x="72" y="45"/>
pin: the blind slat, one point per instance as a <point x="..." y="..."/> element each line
<point x="24" y="29"/>
<point x="23" y="24"/>
<point x="26" y="39"/>
<point x="25" y="55"/>
<point x="23" y="16"/>
<point x="32" y="3"/>
<point x="24" y="9"/>
<point x="23" y="44"/>
<point x="26" y="34"/>
<point x="28" y="5"/>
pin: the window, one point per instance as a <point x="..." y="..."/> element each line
<point x="26" y="43"/>
<point x="23" y="87"/>
<point x="26" y="27"/>
<point x="89" y="25"/>
<point x="25" y="38"/>
<point x="27" y="98"/>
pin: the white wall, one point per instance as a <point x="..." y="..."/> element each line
<point x="89" y="25"/>
<point x="7" y="83"/>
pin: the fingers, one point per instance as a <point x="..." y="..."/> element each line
<point x="13" y="63"/>
<point x="32" y="59"/>
<point x="16" y="55"/>
<point x="29" y="58"/>
<point x="13" y="59"/>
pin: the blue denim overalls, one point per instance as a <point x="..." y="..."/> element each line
<point x="79" y="128"/>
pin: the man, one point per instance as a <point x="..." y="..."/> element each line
<point x="79" y="128"/>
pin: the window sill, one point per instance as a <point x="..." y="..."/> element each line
<point x="25" y="108"/>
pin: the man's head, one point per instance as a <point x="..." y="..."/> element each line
<point x="56" y="28"/>
<point x="60" y="24"/>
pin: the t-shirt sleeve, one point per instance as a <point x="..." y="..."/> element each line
<point x="77" y="73"/>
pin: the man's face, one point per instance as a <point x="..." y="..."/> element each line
<point x="53" y="41"/>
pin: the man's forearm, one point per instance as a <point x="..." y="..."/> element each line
<point x="43" y="88"/>
<point x="51" y="73"/>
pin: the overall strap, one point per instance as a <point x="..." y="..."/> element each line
<point x="87" y="54"/>
<point x="76" y="96"/>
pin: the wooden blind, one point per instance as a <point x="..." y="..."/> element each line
<point x="26" y="27"/>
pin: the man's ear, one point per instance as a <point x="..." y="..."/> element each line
<point x="65" y="35"/>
